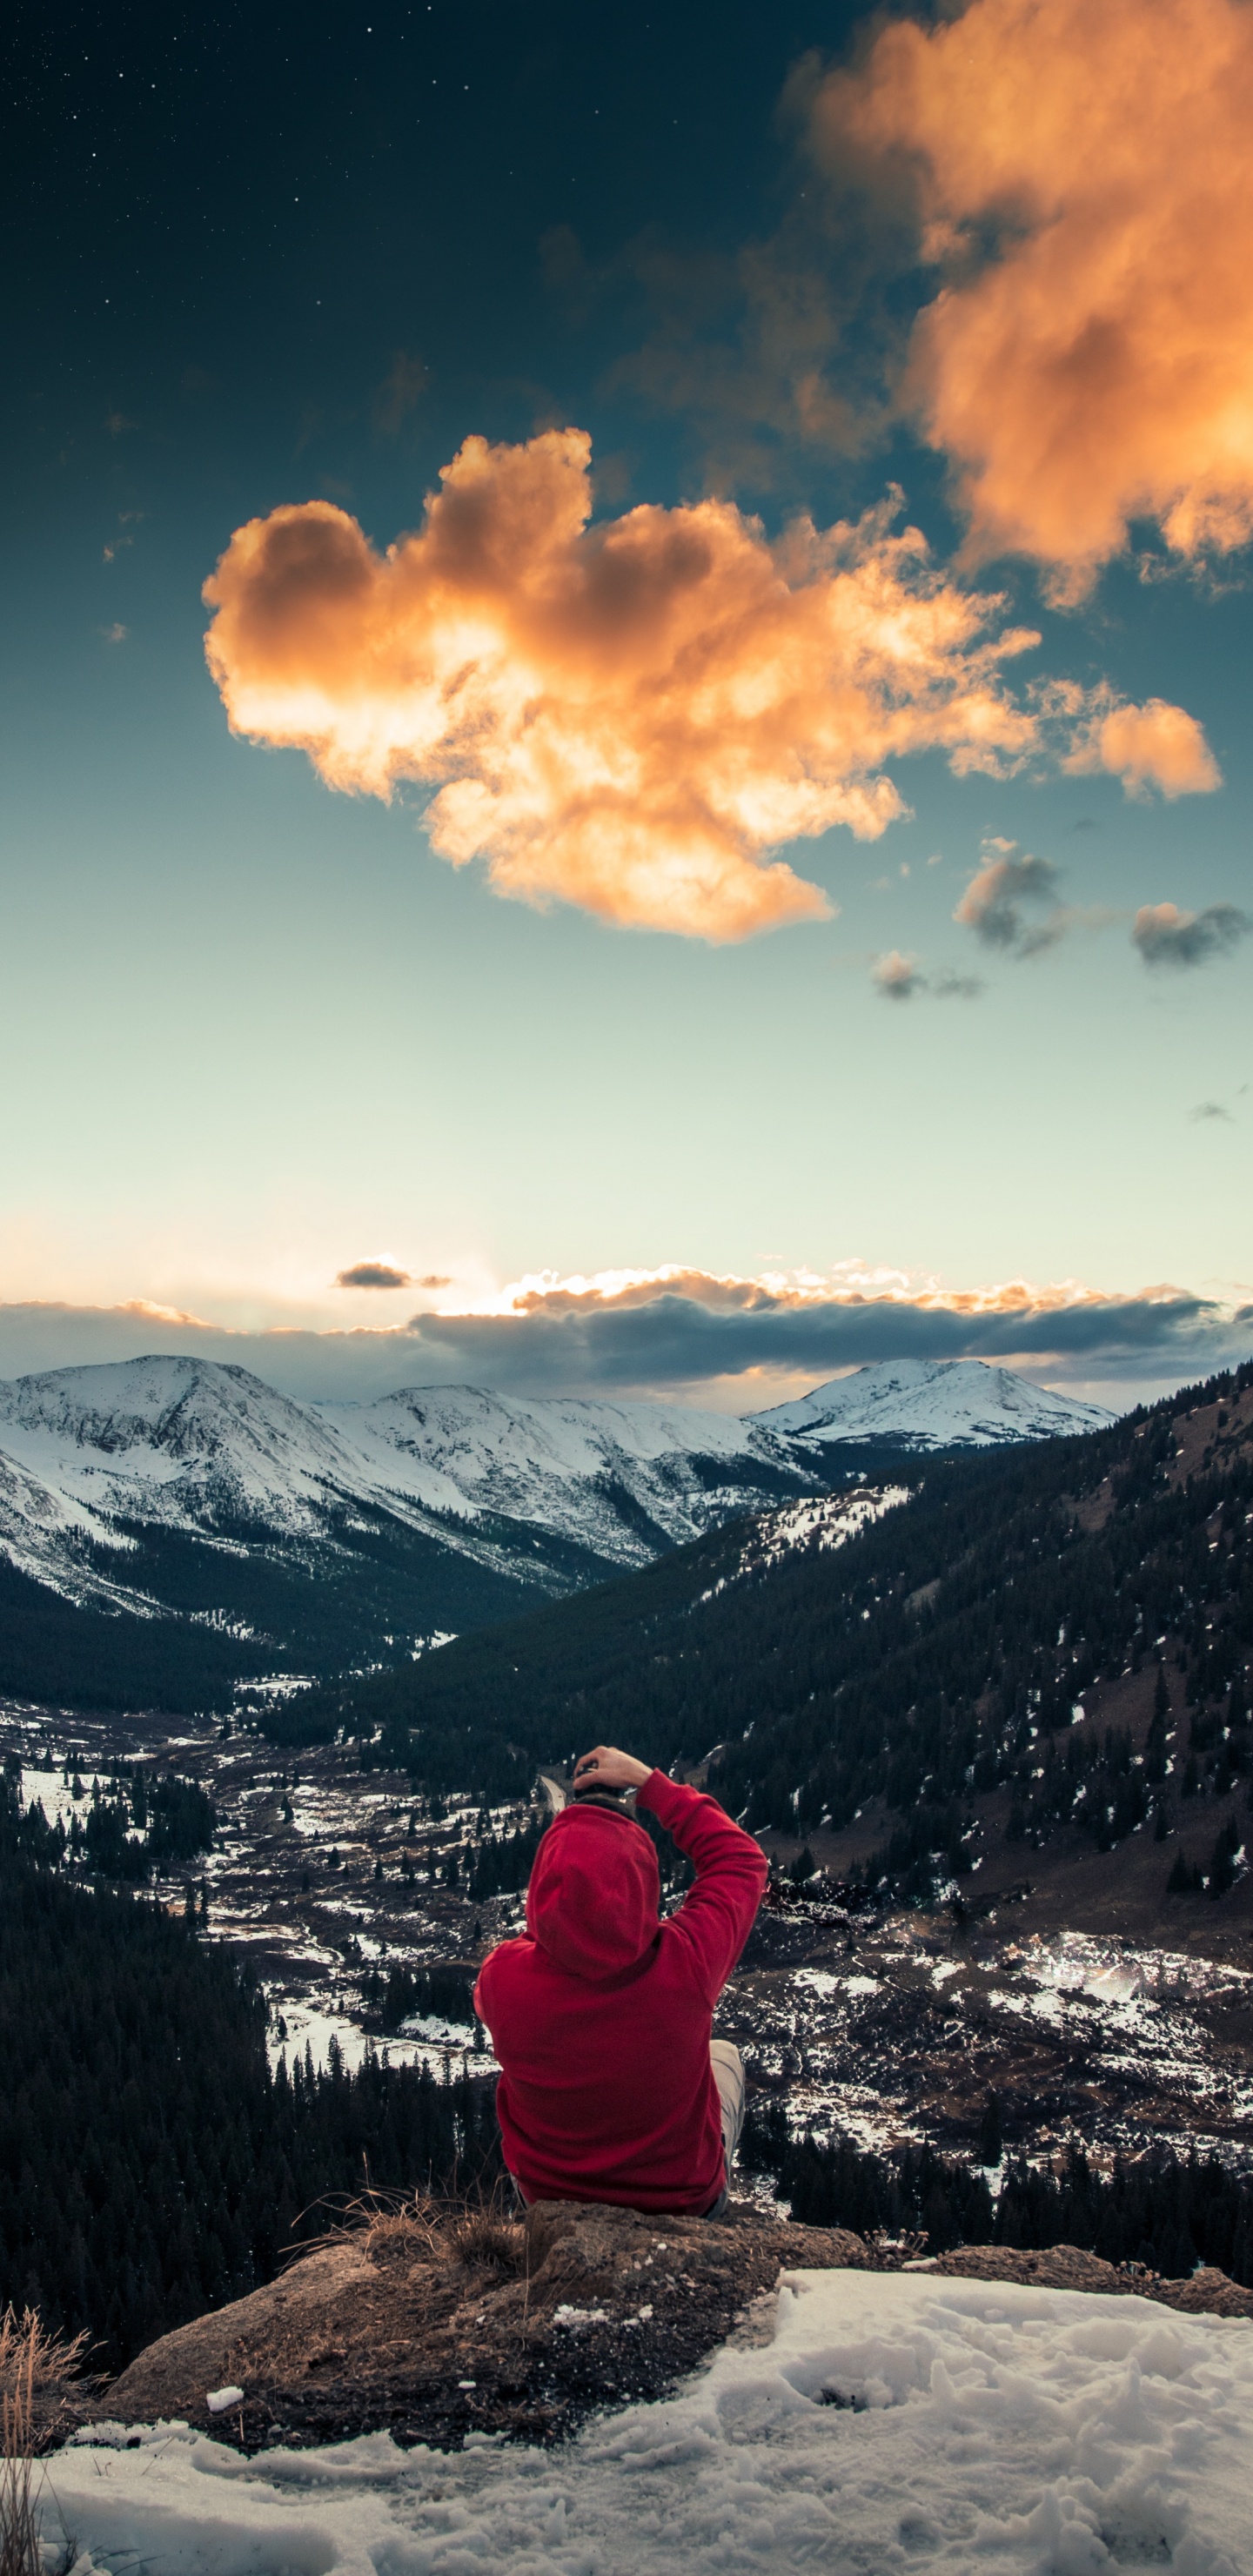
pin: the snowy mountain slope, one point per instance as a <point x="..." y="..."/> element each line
<point x="325" y="1538"/>
<point x="821" y="1522"/>
<point x="929" y="1404"/>
<point x="193" y="1444"/>
<point x="39" y="1529"/>
<point x="595" y="1473"/>
<point x="318" y="1538"/>
<point x="178" y="1440"/>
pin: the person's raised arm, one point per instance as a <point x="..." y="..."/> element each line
<point x="717" y="1914"/>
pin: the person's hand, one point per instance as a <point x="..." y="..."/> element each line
<point x="606" y="1768"/>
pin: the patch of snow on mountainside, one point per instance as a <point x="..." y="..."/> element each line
<point x="38" y="1527"/>
<point x="931" y="1404"/>
<point x="825" y="1520"/>
<point x="893" y="2421"/>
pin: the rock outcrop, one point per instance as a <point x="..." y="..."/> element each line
<point x="431" y="2329"/>
<point x="1067" y="2267"/>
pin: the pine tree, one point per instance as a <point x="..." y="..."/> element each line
<point x="989" y="2148"/>
<point x="1185" y="1879"/>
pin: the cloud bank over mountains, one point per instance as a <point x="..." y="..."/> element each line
<point x="737" y="1342"/>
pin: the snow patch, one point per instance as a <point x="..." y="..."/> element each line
<point x="896" y="2421"/>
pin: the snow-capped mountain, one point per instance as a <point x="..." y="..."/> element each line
<point x="929" y="1404"/>
<point x="620" y="1479"/>
<point x="281" y="1537"/>
<point x="198" y="1446"/>
<point x="310" y="1536"/>
<point x="174" y="1440"/>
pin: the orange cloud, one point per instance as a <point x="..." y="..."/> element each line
<point x="1156" y="745"/>
<point x="1094" y="364"/>
<point x="896" y="977"/>
<point x="631" y="717"/>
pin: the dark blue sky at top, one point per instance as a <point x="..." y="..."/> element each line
<point x="233" y="222"/>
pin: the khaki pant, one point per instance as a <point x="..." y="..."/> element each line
<point x="728" y="2067"/>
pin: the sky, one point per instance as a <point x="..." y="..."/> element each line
<point x="625" y="693"/>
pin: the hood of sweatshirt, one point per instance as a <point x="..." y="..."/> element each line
<point x="592" y="1900"/>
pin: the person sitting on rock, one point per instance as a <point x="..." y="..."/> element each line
<point x="601" y="2015"/>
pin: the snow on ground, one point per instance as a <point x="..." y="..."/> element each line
<point x="440" y="2046"/>
<point x="822" y="1521"/>
<point x="47" y="1789"/>
<point x="1134" y="2053"/>
<point x="895" y="2422"/>
<point x="1115" y="1972"/>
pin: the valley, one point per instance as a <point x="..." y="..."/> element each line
<point x="1093" y="2005"/>
<point x="988" y="1711"/>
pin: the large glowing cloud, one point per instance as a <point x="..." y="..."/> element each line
<point x="631" y="716"/>
<point x="1084" y="184"/>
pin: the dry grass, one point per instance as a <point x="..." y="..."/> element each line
<point x="475" y="2229"/>
<point x="33" y="2359"/>
<point x="486" y="2240"/>
<point x="33" y="2366"/>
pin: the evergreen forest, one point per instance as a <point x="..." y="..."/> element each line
<point x="1163" y="2212"/>
<point x="151" y="2165"/>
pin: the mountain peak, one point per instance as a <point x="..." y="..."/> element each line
<point x="931" y="1404"/>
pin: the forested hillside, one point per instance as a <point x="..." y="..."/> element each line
<point x="150" y="2164"/>
<point x="938" y="1655"/>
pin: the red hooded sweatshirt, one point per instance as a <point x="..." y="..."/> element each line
<point x="601" y="2015"/>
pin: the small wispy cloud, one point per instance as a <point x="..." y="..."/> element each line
<point x="128" y="520"/>
<point x="1167" y="936"/>
<point x="379" y="1274"/>
<point x="115" y="634"/>
<point x="897" y="978"/>
<point x="901" y="979"/>
<point x="1009" y="883"/>
<point x="400" y="393"/>
<point x="1154" y="746"/>
<point x="1206" y="1109"/>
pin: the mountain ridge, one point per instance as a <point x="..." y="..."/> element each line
<point x="187" y="1494"/>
